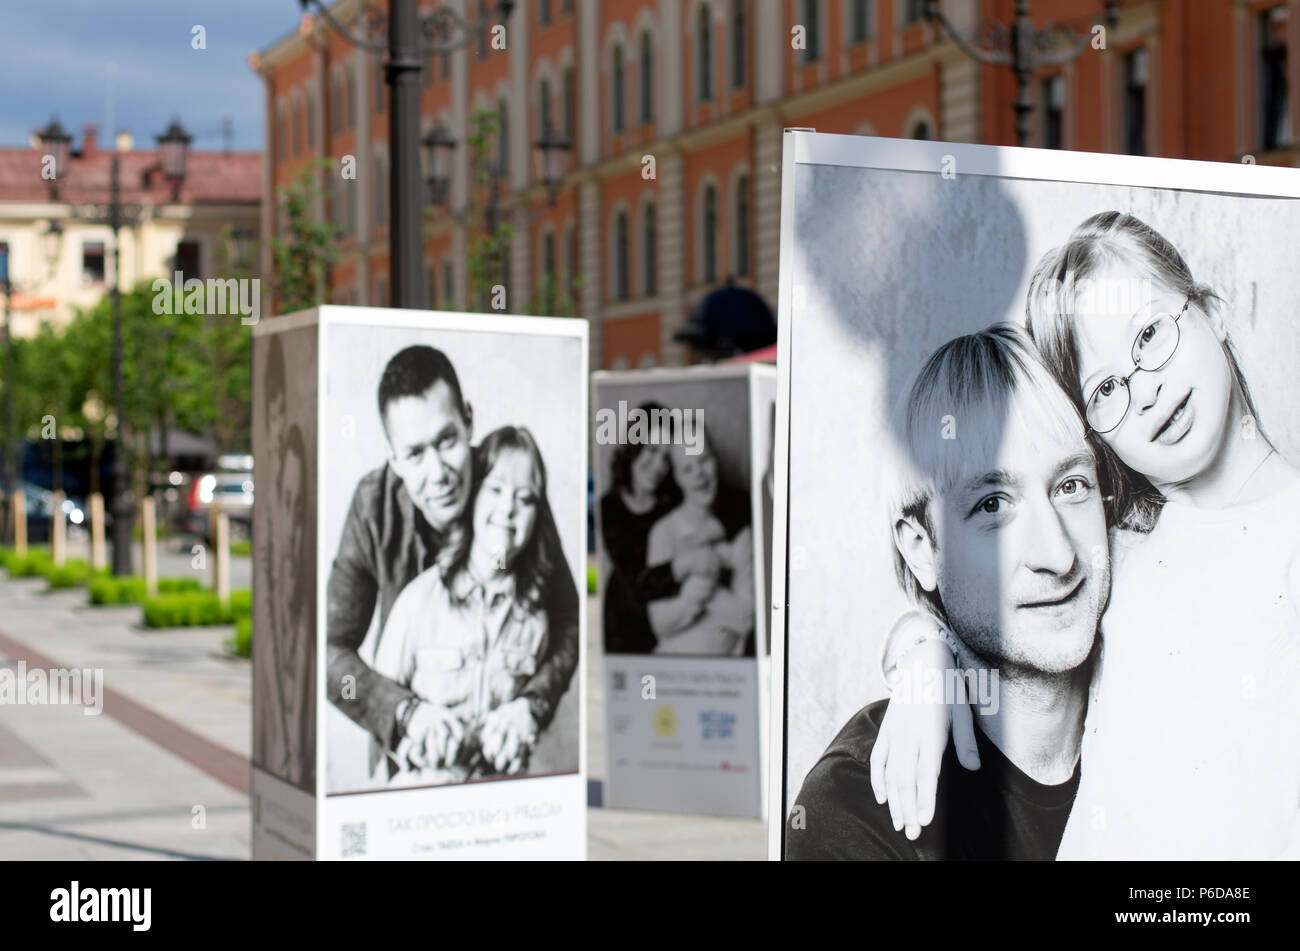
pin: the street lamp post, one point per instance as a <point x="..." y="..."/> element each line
<point x="1023" y="47"/>
<point x="553" y="149"/>
<point x="9" y="399"/>
<point x="411" y="37"/>
<point x="173" y="147"/>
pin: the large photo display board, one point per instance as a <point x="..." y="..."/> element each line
<point x="1036" y="466"/>
<point x="418" y="662"/>
<point x="682" y="463"/>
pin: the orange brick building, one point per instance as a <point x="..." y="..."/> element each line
<point x="676" y="107"/>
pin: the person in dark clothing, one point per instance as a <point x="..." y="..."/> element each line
<point x="1000" y="541"/>
<point x="713" y="611"/>
<point x="642" y="492"/>
<point x="406" y="516"/>
<point x="995" y="812"/>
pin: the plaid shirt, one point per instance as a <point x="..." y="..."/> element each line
<point x="386" y="544"/>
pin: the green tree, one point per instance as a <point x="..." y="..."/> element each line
<point x="489" y="234"/>
<point x="305" y="248"/>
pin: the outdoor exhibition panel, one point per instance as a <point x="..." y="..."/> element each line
<point x="682" y="462"/>
<point x="418" y="625"/>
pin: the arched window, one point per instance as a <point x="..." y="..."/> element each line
<point x="297" y="128"/>
<point x="709" y="235"/>
<point x="352" y="98"/>
<point x="621" y="289"/>
<point x="859" y="21"/>
<point x="921" y="130"/>
<point x="311" y="119"/>
<point x="647" y="78"/>
<point x="548" y="272"/>
<point x="812" y="23"/>
<point x="336" y="105"/>
<point x="618" y="91"/>
<point x="704" y="53"/>
<point x="738" y="43"/>
<point x="544" y="102"/>
<point x="503" y="137"/>
<point x="567" y="92"/>
<point x="381" y="192"/>
<point x="650" y="251"/>
<point x="742" y="226"/>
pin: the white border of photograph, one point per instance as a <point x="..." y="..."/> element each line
<point x="436" y="322"/>
<point x="806" y="147"/>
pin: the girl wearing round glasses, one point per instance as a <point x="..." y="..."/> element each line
<point x="1192" y="741"/>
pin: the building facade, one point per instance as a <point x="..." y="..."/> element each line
<point x="675" y="109"/>
<point x="173" y="230"/>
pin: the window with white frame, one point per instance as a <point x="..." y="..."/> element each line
<point x="647" y="78"/>
<point x="859" y="21"/>
<point x="1053" y="112"/>
<point x="1274" y="96"/>
<point x="739" y="43"/>
<point x="709" y="235"/>
<point x="742" y="226"/>
<point x="650" y="250"/>
<point x="621" y="289"/>
<point x="618" y="92"/>
<point x="503" y="137"/>
<point x="704" y="53"/>
<point x="1135" y="102"/>
<point x="567" y="91"/>
<point x="544" y="106"/>
<point x="380" y="193"/>
<point x="811" y="20"/>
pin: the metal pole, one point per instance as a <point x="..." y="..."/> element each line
<point x="406" y="196"/>
<point x="123" y="511"/>
<point x="1022" y="61"/>
<point x="9" y="418"/>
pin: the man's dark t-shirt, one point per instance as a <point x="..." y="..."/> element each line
<point x="995" y="812"/>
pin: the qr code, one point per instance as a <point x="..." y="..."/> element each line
<point x="354" y="839"/>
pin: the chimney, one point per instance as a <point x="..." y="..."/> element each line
<point x="124" y="141"/>
<point x="89" y="139"/>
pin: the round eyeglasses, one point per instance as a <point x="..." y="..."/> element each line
<point x="1153" y="347"/>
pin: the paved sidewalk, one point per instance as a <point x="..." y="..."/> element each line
<point x="175" y="735"/>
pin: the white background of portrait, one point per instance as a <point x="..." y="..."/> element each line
<point x="892" y="264"/>
<point x="523" y="379"/>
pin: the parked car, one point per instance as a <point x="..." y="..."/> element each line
<point x="40" y="511"/>
<point x="232" y="491"/>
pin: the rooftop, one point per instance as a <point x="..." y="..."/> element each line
<point x="210" y="177"/>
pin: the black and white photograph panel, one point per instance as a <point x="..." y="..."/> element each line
<point x="1042" y="506"/>
<point x="673" y="468"/>
<point x="453" y="519"/>
<point x="284" y="551"/>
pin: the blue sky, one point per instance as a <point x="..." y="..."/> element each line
<point x="129" y="64"/>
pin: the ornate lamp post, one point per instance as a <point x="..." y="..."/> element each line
<point x="438" y="146"/>
<point x="173" y="154"/>
<point x="1023" y="47"/>
<point x="412" y="37"/>
<point x="553" y="153"/>
<point x="173" y="146"/>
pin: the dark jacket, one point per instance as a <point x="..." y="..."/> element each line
<point x="386" y="542"/>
